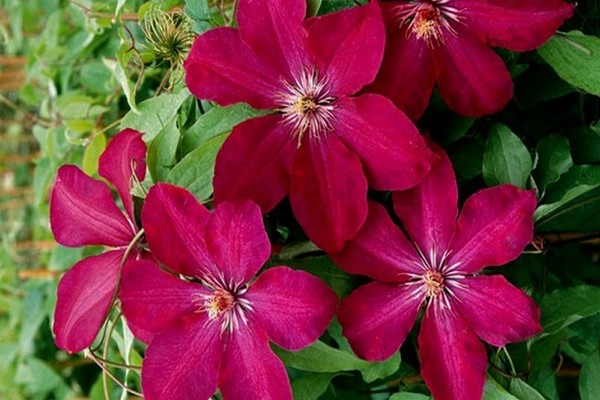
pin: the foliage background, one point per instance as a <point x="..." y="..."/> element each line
<point x="72" y="73"/>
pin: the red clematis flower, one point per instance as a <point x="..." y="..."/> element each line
<point x="83" y="212"/>
<point x="447" y="41"/>
<point x="320" y="145"/>
<point x="213" y="328"/>
<point x="438" y="269"/>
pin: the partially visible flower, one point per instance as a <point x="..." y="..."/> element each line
<point x="447" y="42"/>
<point x="437" y="268"/>
<point x="320" y="145"/>
<point x="213" y="328"/>
<point x="83" y="212"/>
<point x="169" y="34"/>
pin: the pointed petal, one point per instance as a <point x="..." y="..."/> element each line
<point x="428" y="211"/>
<point x="255" y="163"/>
<point x="293" y="307"/>
<point x="350" y="54"/>
<point x="174" y="222"/>
<point x="151" y="299"/>
<point x="273" y="30"/>
<point x="378" y="316"/>
<point x="407" y="74"/>
<point x="498" y="312"/>
<point x="222" y="68"/>
<point x="183" y="362"/>
<point x="393" y="153"/>
<point x="250" y="369"/>
<point x="380" y="250"/>
<point x="83" y="212"/>
<point x="453" y="360"/>
<point x="237" y="240"/>
<point x="515" y="25"/>
<point x="494" y="227"/>
<point x="84" y="297"/>
<point x="328" y="192"/>
<point x="124" y="156"/>
<point x="472" y="78"/>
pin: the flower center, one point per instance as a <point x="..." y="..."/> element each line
<point x="428" y="20"/>
<point x="307" y="106"/>
<point x="433" y="282"/>
<point x="218" y="303"/>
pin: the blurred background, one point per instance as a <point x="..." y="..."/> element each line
<point x="67" y="73"/>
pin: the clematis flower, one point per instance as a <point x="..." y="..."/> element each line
<point x="213" y="328"/>
<point x="448" y="42"/>
<point x="437" y="268"/>
<point x="320" y="144"/>
<point x="83" y="212"/>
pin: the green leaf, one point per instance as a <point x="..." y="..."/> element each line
<point x="494" y="391"/>
<point x="37" y="377"/>
<point x="570" y="189"/>
<point x="521" y="390"/>
<point x="323" y="358"/>
<point x="506" y="159"/>
<point x="341" y="282"/>
<point x="563" y="307"/>
<point x="199" y="12"/>
<point x="154" y="114"/>
<point x="117" y="68"/>
<point x="312" y="7"/>
<point x="554" y="159"/>
<point x="589" y="379"/>
<point x="92" y="154"/>
<point x="216" y="121"/>
<point x="409" y="396"/>
<point x="381" y="370"/>
<point x="311" y="386"/>
<point x="162" y="151"/>
<point x="576" y="58"/>
<point x="195" y="172"/>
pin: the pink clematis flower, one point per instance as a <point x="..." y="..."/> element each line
<point x="438" y="268"/>
<point x="83" y="212"/>
<point x="321" y="145"/>
<point x="447" y="41"/>
<point x="212" y="329"/>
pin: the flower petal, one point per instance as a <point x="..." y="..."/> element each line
<point x="237" y="240"/>
<point x="255" y="163"/>
<point x="494" y="227"/>
<point x="453" y="360"/>
<point x="497" y="311"/>
<point x="183" y="362"/>
<point x="393" y="153"/>
<point x="222" y="68"/>
<point x="293" y="307"/>
<point x="407" y="74"/>
<point x="151" y="299"/>
<point x="83" y="212"/>
<point x="328" y="192"/>
<point x="84" y="297"/>
<point x="347" y="46"/>
<point x="174" y="222"/>
<point x="378" y="316"/>
<point x="273" y="30"/>
<point x="515" y="25"/>
<point x="380" y="250"/>
<point x="124" y="156"/>
<point x="428" y="211"/>
<point x="250" y="370"/>
<point x="472" y="78"/>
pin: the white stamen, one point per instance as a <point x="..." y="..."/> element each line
<point x="307" y="106"/>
